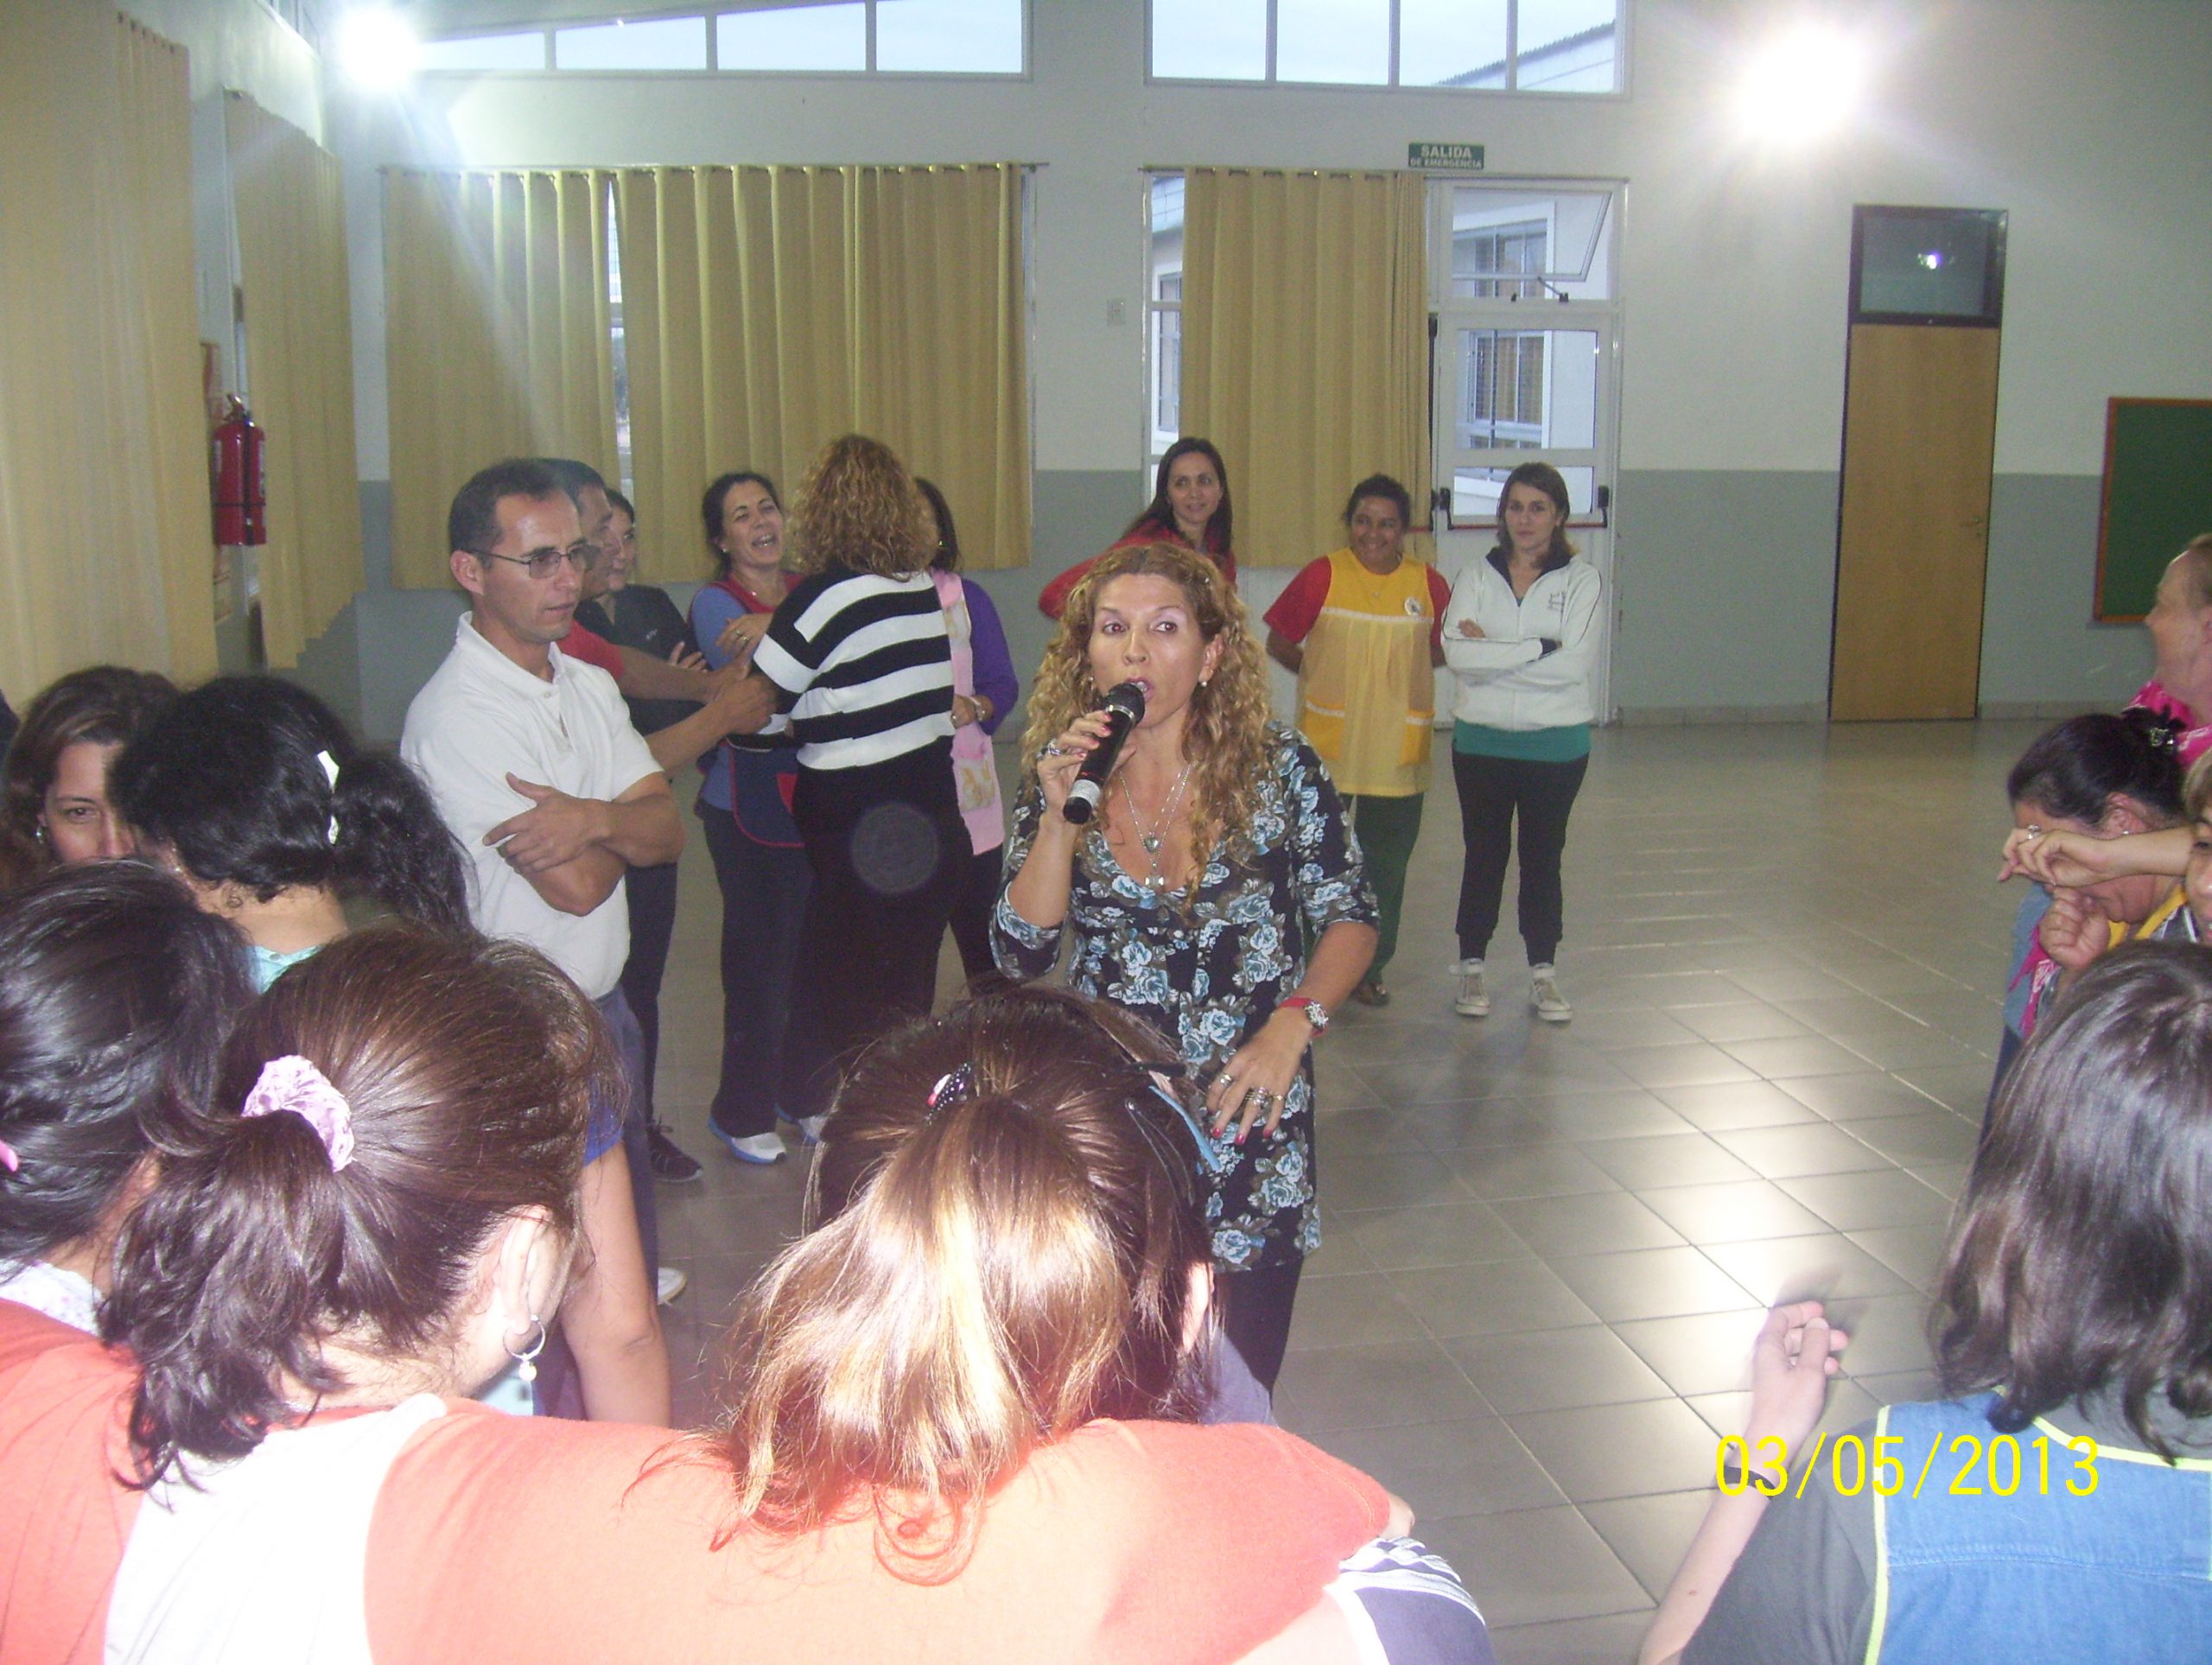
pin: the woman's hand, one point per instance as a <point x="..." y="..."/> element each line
<point x="2076" y="931"/>
<point x="1058" y="764"/>
<point x="1468" y="627"/>
<point x="1796" y="1354"/>
<point x="965" y="711"/>
<point x="741" y="635"/>
<point x="1256" y="1079"/>
<point x="2054" y="857"/>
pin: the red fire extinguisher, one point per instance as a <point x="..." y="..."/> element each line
<point x="241" y="495"/>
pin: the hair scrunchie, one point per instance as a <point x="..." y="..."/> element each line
<point x="292" y="1086"/>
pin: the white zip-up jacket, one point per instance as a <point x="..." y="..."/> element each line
<point x="1506" y="679"/>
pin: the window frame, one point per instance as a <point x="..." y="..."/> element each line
<point x="1622" y="60"/>
<point x="708" y="12"/>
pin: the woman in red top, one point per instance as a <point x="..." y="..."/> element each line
<point x="1190" y="506"/>
<point x="377" y="1217"/>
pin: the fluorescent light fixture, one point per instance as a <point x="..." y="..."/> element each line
<point x="1801" y="85"/>
<point x="377" y="48"/>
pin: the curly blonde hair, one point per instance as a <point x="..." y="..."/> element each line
<point x="1226" y="739"/>
<point x="857" y="506"/>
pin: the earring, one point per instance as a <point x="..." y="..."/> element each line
<point x="525" y="1365"/>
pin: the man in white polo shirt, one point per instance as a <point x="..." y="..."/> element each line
<point x="535" y="768"/>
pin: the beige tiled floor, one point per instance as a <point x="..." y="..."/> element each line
<point x="1547" y="1247"/>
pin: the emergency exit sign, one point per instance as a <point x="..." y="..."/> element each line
<point x="1452" y="158"/>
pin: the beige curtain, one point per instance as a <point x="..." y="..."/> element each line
<point x="299" y="371"/>
<point x="1306" y="345"/>
<point x="766" y="310"/>
<point x="105" y="544"/>
<point x="496" y="337"/>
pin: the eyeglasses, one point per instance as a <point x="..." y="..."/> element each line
<point x="544" y="563"/>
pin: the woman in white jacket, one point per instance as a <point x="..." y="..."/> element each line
<point x="1521" y="637"/>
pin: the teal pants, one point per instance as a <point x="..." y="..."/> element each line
<point x="1388" y="827"/>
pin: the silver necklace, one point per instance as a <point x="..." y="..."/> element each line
<point x="1151" y="836"/>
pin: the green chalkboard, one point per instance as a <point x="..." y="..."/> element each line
<point x="2158" y="496"/>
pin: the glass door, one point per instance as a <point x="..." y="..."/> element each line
<point x="1524" y="365"/>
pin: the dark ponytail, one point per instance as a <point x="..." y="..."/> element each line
<point x="235" y="781"/>
<point x="116" y="992"/>
<point x="466" y="1068"/>
<point x="392" y="846"/>
<point x="2075" y="769"/>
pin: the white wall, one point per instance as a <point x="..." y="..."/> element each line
<point x="2085" y="119"/>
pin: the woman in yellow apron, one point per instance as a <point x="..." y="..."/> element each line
<point x="1360" y="629"/>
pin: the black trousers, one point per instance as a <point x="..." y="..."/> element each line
<point x="888" y="851"/>
<point x="651" y="894"/>
<point x="1492" y="790"/>
<point x="764" y="895"/>
<point x="971" y="911"/>
<point x="1256" y="1315"/>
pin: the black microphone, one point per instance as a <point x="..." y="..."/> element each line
<point x="1124" y="709"/>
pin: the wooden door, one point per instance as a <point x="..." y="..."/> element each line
<point x="1919" y="439"/>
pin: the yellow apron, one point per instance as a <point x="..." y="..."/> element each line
<point x="1367" y="692"/>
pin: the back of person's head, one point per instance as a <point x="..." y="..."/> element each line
<point x="946" y="556"/>
<point x="473" y="521"/>
<point x="2077" y="768"/>
<point x="253" y="781"/>
<point x="857" y="506"/>
<point x="101" y="705"/>
<point x="379" y="1113"/>
<point x="116" y="992"/>
<point x="1008" y="1230"/>
<point x="2082" y="1257"/>
<point x="2196" y="562"/>
<point x="1160" y="513"/>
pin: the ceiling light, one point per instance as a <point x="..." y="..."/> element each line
<point x="1801" y="85"/>
<point x="378" y="47"/>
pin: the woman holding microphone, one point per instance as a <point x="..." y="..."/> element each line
<point x="1218" y="852"/>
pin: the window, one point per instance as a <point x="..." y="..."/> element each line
<point x="650" y="43"/>
<point x="949" y="37"/>
<point x="794" y="38"/>
<point x="852" y="37"/>
<point x="1484" y="259"/>
<point x="481" y="51"/>
<point x="1527" y="46"/>
<point x="1164" y="304"/>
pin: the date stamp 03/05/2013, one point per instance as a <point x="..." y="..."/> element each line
<point x="1966" y="1465"/>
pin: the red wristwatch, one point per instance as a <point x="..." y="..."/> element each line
<point x="1316" y="1013"/>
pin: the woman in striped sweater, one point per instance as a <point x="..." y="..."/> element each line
<point x="860" y="657"/>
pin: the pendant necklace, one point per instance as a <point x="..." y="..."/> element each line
<point x="1151" y="837"/>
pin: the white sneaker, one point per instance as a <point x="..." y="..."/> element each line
<point x="670" y="1282"/>
<point x="810" y="1127"/>
<point x="1472" y="1002"/>
<point x="1552" y="1007"/>
<point x="758" y="1148"/>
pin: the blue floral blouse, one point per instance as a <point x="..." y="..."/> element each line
<point x="1208" y="975"/>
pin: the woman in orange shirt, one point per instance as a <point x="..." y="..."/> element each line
<point x="316" y="1274"/>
